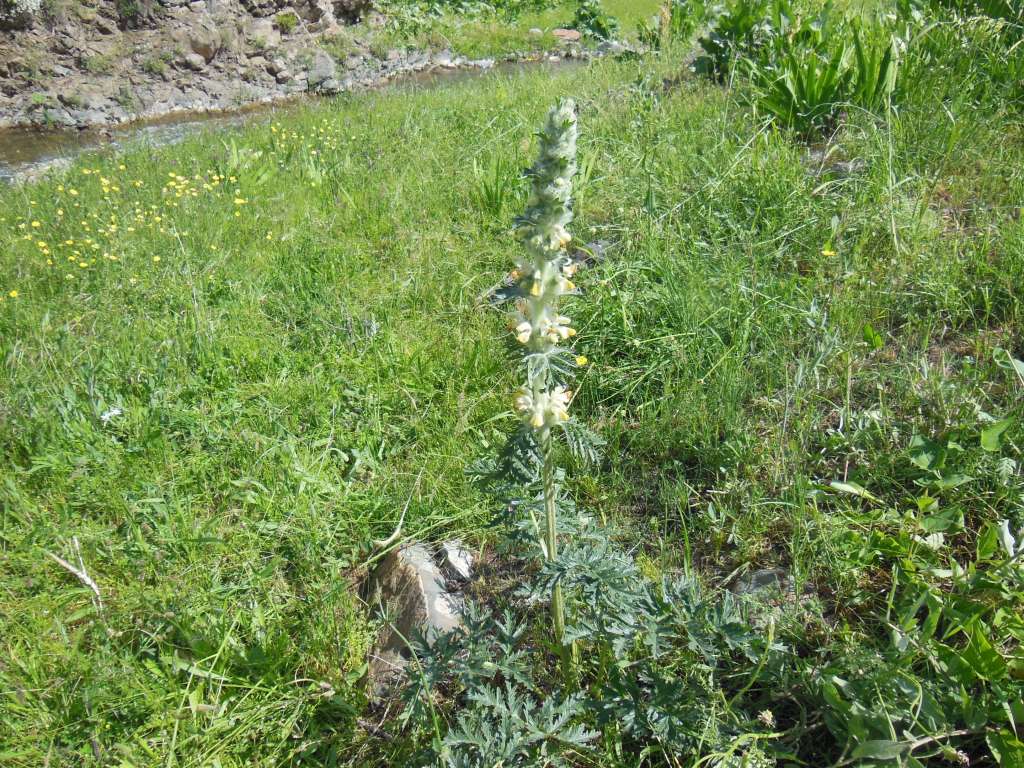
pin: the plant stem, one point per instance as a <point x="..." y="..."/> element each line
<point x="551" y="549"/>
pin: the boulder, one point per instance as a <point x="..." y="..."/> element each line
<point x="568" y="35"/>
<point x="106" y="26"/>
<point x="263" y="34"/>
<point x="409" y="590"/>
<point x="193" y="61"/>
<point x="205" y="40"/>
<point x="322" y="70"/>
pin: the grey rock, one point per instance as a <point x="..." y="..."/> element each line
<point x="283" y="76"/>
<point x="536" y="32"/>
<point x="86" y="117"/>
<point x="353" y="62"/>
<point x="612" y="48"/>
<point x="276" y="66"/>
<point x="60" y="117"/>
<point x="193" y="61"/>
<point x="105" y="26"/>
<point x="322" y="73"/>
<point x="263" y="35"/>
<point x="206" y="41"/>
<point x="456" y="561"/>
<point x="775" y="580"/>
<point x="411" y="592"/>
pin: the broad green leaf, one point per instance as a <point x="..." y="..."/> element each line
<point x="988" y="543"/>
<point x="983" y="659"/>
<point x="1007" y="749"/>
<point x="946" y="520"/>
<point x="872" y="337"/>
<point x="854" y="489"/>
<point x="926" y="454"/>
<point x="992" y="435"/>
<point x="951" y="480"/>
<point x="881" y="749"/>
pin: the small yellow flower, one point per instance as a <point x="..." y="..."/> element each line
<point x="239" y="201"/>
<point x="827" y="252"/>
<point x="36" y="225"/>
<point x="156" y="259"/>
<point x="581" y="360"/>
<point x="13" y="294"/>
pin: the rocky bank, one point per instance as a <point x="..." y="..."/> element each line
<point x="90" y="63"/>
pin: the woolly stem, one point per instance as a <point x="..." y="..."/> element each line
<point x="551" y="550"/>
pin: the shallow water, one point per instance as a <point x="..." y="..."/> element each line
<point x="26" y="151"/>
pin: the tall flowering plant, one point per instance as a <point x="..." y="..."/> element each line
<point x="543" y="277"/>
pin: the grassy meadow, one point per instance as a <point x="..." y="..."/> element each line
<point x="229" y="363"/>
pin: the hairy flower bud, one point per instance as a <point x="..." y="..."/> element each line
<point x="544" y="409"/>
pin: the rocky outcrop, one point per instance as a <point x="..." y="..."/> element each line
<point x="107" y="62"/>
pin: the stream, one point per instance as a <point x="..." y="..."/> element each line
<point x="26" y="153"/>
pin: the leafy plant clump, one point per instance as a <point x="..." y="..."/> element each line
<point x="676" y="21"/>
<point x="592" y="20"/>
<point x="805" y="69"/>
<point x="287" y="22"/>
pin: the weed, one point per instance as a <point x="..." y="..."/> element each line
<point x="286" y="22"/>
<point x="593" y="21"/>
<point x="98" y="64"/>
<point x="154" y="66"/>
<point x="129" y="11"/>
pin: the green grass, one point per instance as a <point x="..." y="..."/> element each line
<point x="246" y="382"/>
<point x="485" y="34"/>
